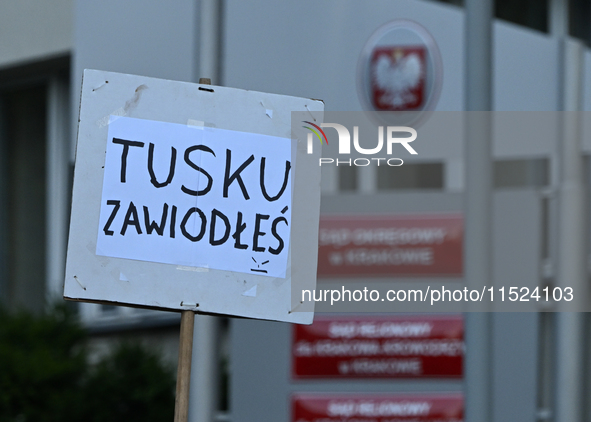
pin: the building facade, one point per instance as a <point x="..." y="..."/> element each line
<point x="307" y="49"/>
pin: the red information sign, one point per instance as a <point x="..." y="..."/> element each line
<point x="379" y="347"/>
<point x="377" y="407"/>
<point x="424" y="245"/>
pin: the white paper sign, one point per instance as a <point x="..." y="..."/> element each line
<point x="188" y="197"/>
<point x="196" y="196"/>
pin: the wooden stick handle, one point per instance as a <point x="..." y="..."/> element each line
<point x="183" y="380"/>
<point x="183" y="377"/>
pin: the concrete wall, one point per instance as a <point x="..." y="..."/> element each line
<point x="310" y="48"/>
<point x="32" y="30"/>
<point x="157" y="39"/>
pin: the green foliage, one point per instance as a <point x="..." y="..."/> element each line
<point x="133" y="385"/>
<point x="44" y="375"/>
<point x="42" y="363"/>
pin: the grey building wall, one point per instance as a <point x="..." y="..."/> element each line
<point x="304" y="48"/>
<point x="157" y="39"/>
<point x="32" y="30"/>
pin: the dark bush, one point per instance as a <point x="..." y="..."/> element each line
<point x="45" y="377"/>
<point x="130" y="385"/>
<point x="42" y="366"/>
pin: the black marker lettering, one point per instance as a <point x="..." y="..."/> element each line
<point x="285" y="178"/>
<point x="196" y="167"/>
<point x="258" y="233"/>
<point x="151" y="167"/>
<point x="186" y="219"/>
<point x="172" y="221"/>
<point x="150" y="227"/>
<point x="274" y="232"/>
<point x="214" y="216"/>
<point x="131" y="212"/>
<point x="126" y="144"/>
<point x="239" y="229"/>
<point x="236" y="175"/>
<point x="111" y="217"/>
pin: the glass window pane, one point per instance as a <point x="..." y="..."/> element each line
<point x="24" y="149"/>
<point x="411" y="176"/>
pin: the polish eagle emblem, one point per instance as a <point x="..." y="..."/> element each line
<point x="398" y="78"/>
